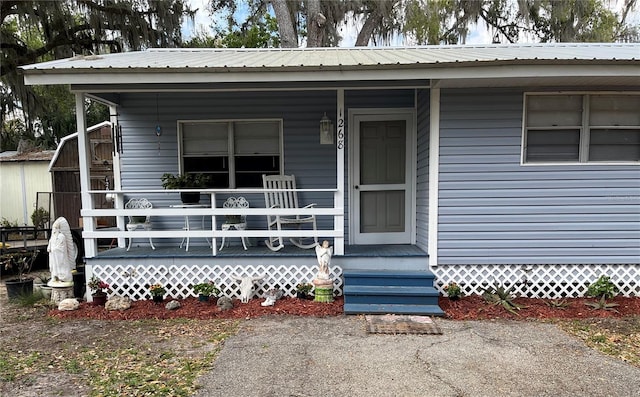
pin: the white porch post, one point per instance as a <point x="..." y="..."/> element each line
<point x="434" y="164"/>
<point x="84" y="161"/>
<point x="338" y="245"/>
<point x="117" y="181"/>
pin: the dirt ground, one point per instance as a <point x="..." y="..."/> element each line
<point x="44" y="352"/>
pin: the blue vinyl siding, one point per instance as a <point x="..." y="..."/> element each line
<point x="422" y="172"/>
<point x="495" y="211"/>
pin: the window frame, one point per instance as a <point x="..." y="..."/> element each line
<point x="231" y="151"/>
<point x="584" y="128"/>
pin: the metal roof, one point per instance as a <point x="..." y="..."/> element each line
<point x="332" y="58"/>
<point x="481" y="65"/>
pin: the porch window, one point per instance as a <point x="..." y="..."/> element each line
<point x="581" y="128"/>
<point x="235" y="153"/>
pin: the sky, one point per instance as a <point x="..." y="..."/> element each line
<point x="478" y="34"/>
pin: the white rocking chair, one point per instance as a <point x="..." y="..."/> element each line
<point x="285" y="199"/>
<point x="136" y="221"/>
<point x="238" y="222"/>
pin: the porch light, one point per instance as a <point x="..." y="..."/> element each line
<point x="326" y="130"/>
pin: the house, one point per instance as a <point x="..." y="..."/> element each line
<point x="516" y="164"/>
<point x="23" y="175"/>
<point x="65" y="174"/>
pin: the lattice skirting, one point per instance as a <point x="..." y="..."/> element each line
<point x="133" y="281"/>
<point x="539" y="281"/>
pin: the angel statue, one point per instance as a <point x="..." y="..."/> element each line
<point x="324" y="254"/>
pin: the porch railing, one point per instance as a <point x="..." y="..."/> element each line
<point x="91" y="234"/>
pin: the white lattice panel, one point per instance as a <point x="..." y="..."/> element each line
<point x="539" y="281"/>
<point x="133" y="281"/>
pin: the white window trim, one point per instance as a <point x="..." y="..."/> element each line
<point x="230" y="149"/>
<point x="584" y="135"/>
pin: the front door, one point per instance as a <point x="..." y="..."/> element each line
<point x="382" y="178"/>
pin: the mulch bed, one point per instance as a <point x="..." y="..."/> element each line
<point x="467" y="308"/>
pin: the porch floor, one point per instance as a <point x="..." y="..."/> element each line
<point x="362" y="251"/>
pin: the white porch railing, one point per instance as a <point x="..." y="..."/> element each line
<point x="91" y="234"/>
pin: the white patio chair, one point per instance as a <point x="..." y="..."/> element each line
<point x="285" y="199"/>
<point x="139" y="221"/>
<point x="238" y="222"/>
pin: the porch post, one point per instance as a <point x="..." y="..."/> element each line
<point x="117" y="181"/>
<point x="434" y="164"/>
<point x="338" y="198"/>
<point x="84" y="161"/>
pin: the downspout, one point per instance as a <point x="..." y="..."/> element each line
<point x="23" y="185"/>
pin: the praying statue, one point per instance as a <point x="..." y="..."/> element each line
<point x="62" y="254"/>
<point x="324" y="253"/>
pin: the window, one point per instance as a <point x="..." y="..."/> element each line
<point x="581" y="128"/>
<point x="234" y="153"/>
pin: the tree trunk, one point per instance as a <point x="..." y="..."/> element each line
<point x="288" y="37"/>
<point x="316" y="23"/>
<point x="367" y="29"/>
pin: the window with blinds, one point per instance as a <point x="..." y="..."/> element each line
<point x="581" y="128"/>
<point x="235" y="153"/>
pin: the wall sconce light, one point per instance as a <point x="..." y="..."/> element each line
<point x="326" y="130"/>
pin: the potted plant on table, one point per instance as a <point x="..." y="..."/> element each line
<point x="303" y="290"/>
<point x="186" y="181"/>
<point x="205" y="290"/>
<point x="19" y="262"/>
<point x="99" y="289"/>
<point x="157" y="292"/>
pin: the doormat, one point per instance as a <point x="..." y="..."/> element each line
<point x="401" y="324"/>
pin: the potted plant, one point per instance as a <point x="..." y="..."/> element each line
<point x="20" y="263"/>
<point x="99" y="289"/>
<point x="186" y="181"/>
<point x="453" y="290"/>
<point x="42" y="285"/>
<point x="303" y="290"/>
<point x="204" y="290"/>
<point x="157" y="292"/>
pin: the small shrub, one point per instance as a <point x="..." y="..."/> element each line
<point x="499" y="295"/>
<point x="557" y="303"/>
<point x="453" y="291"/>
<point x="602" y="288"/>
<point x="602" y="304"/>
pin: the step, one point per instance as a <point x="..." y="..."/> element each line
<point x="412" y="295"/>
<point x="389" y="278"/>
<point x="360" y="308"/>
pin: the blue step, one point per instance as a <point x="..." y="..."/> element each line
<point x="376" y="294"/>
<point x="387" y="291"/>
<point x="425" y="310"/>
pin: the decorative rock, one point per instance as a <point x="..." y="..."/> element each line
<point x="118" y="303"/>
<point x="224" y="303"/>
<point x="173" y="305"/>
<point x="68" y="304"/>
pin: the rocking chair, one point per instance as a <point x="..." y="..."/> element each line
<point x="285" y="198"/>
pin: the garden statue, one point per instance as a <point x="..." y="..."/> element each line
<point x="62" y="254"/>
<point x="323" y="283"/>
<point x="247" y="287"/>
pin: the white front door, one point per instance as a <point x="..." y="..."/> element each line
<point x="382" y="178"/>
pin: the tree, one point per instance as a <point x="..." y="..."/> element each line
<point x="36" y="31"/>
<point x="315" y="23"/>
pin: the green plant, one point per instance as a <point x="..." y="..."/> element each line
<point x="499" y="295"/>
<point x="7" y="223"/>
<point x="602" y="287"/>
<point x="181" y="181"/>
<point x="157" y="290"/>
<point x="557" y="303"/>
<point x="40" y="217"/>
<point x="97" y="285"/>
<point x="453" y="290"/>
<point x="19" y="262"/>
<point x="602" y="304"/>
<point x="206" y="289"/>
<point x="304" y="288"/>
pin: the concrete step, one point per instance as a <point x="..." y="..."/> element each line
<point x="360" y="308"/>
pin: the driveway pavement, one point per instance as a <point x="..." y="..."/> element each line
<point x="335" y="356"/>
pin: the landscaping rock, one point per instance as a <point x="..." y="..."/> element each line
<point x="68" y="304"/>
<point x="118" y="303"/>
<point x="224" y="303"/>
<point x="173" y="305"/>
